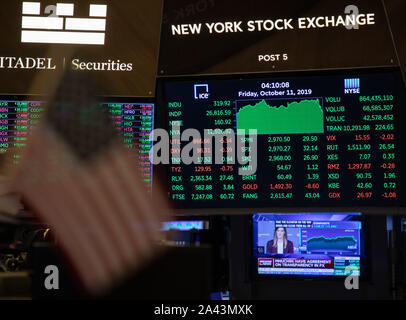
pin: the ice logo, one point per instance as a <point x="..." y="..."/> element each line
<point x="202" y="91"/>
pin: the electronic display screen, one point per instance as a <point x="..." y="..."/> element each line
<point x="320" y="140"/>
<point x="308" y="244"/>
<point x="133" y="121"/>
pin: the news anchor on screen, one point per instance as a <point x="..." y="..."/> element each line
<point x="280" y="243"/>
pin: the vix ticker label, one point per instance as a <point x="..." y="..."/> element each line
<point x="60" y="26"/>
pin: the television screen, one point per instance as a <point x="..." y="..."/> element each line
<point x="320" y="140"/>
<point x="308" y="244"/>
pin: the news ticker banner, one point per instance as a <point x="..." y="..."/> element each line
<point x="116" y="41"/>
<point x="220" y="37"/>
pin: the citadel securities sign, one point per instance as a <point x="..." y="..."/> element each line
<point x="109" y="65"/>
<point x="283" y="35"/>
<point x="116" y="40"/>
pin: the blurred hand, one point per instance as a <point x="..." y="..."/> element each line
<point x="9" y="203"/>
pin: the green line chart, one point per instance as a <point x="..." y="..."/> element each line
<point x="278" y="116"/>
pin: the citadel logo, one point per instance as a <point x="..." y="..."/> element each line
<point x="27" y="63"/>
<point x="61" y="27"/>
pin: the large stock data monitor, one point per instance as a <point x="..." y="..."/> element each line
<point x="134" y="121"/>
<point x="323" y="140"/>
<point x="325" y="245"/>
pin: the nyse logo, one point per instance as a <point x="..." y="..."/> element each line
<point x="352" y="86"/>
<point x="61" y="27"/>
<point x="202" y="91"/>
